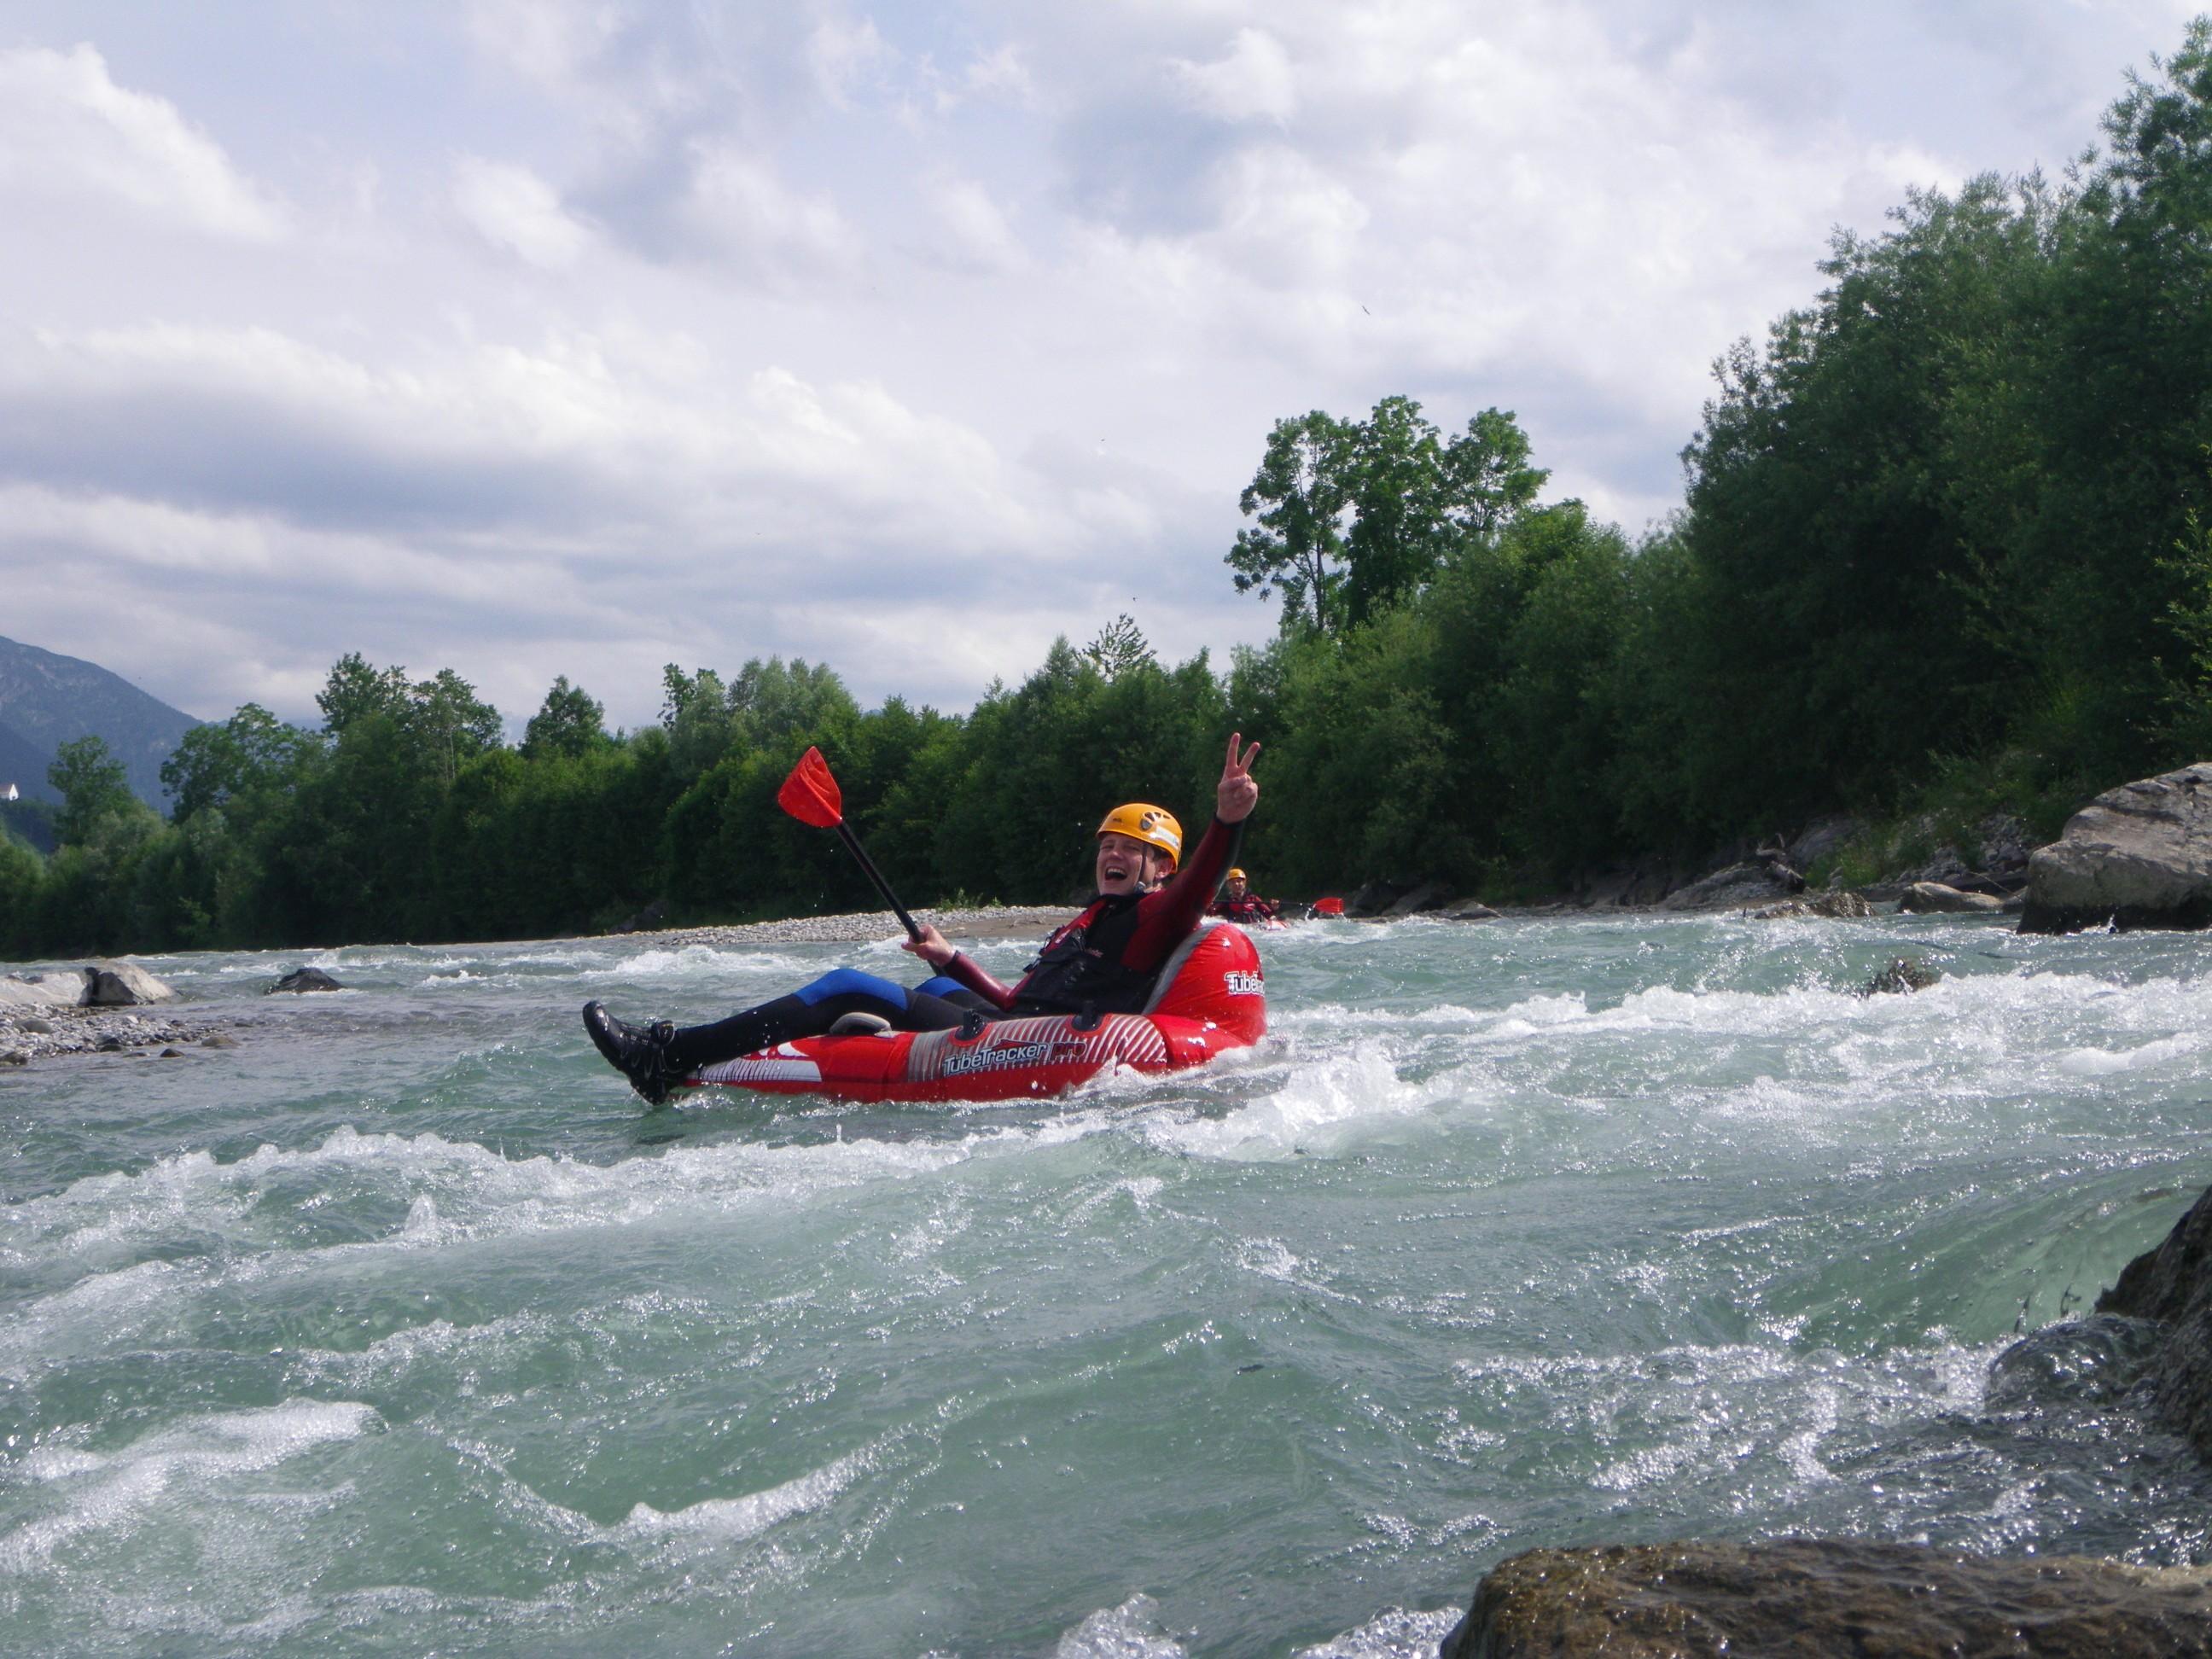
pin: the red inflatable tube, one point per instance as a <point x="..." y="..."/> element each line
<point x="1213" y="997"/>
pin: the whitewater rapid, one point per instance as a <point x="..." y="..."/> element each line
<point x="403" y="1324"/>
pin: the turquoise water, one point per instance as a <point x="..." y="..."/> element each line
<point x="402" y="1327"/>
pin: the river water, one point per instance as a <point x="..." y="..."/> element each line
<point x="403" y="1327"/>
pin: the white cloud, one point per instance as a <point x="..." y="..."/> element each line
<point x="846" y="57"/>
<point x="1255" y="81"/>
<point x="971" y="232"/>
<point x="736" y="206"/>
<point x="67" y="128"/>
<point x="933" y="308"/>
<point x="515" y="210"/>
<point x="1001" y="76"/>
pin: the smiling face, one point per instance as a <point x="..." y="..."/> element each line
<point x="1235" y="888"/>
<point x="1127" y="864"/>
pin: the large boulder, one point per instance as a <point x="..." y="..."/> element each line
<point x="300" y="980"/>
<point x="1833" y="906"/>
<point x="1935" y="898"/>
<point x="1752" y="882"/>
<point x="1628" y="886"/>
<point x="1820" y="838"/>
<point x="2172" y="1285"/>
<point x="1802" y="1598"/>
<point x="1904" y="976"/>
<point x="122" y="985"/>
<point x="2137" y="856"/>
<point x="1429" y="895"/>
<point x="33" y="992"/>
<point x="1375" y="898"/>
<point x="102" y="985"/>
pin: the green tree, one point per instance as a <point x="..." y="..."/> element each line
<point x="93" y="788"/>
<point x="1119" y="647"/>
<point x="354" y="690"/>
<point x="1300" y="498"/>
<point x="1356" y="517"/>
<point x="22" y="871"/>
<point x="251" y="752"/>
<point x="569" y="722"/>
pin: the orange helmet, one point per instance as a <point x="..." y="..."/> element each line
<point x="1235" y="875"/>
<point x="1153" y="825"/>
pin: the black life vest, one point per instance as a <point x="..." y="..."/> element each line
<point x="1080" y="970"/>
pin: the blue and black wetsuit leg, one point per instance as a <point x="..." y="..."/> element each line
<point x="935" y="1005"/>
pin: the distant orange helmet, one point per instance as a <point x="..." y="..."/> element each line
<point x="1236" y="875"/>
<point x="1153" y="825"/>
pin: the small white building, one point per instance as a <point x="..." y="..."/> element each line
<point x="9" y="792"/>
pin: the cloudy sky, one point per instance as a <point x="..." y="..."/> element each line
<point x="576" y="336"/>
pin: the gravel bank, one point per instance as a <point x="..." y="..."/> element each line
<point x="28" y="1036"/>
<point x="25" y="1037"/>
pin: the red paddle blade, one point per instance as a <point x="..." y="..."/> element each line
<point x="810" y="794"/>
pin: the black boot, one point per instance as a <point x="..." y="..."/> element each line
<point x="639" y="1055"/>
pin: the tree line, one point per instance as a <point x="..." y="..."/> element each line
<point x="1946" y="546"/>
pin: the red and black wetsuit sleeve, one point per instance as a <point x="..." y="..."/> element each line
<point x="969" y="972"/>
<point x="1165" y="916"/>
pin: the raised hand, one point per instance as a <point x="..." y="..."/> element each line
<point x="1236" y="794"/>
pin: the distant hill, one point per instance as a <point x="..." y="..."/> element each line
<point x="47" y="700"/>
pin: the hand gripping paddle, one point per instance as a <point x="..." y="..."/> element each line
<point x="810" y="794"/>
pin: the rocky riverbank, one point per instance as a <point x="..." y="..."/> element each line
<point x="26" y="1036"/>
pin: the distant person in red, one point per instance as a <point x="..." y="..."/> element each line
<point x="1240" y="904"/>
<point x="1105" y="961"/>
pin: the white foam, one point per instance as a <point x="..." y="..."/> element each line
<point x="1394" y="1633"/>
<point x="736" y="1519"/>
<point x="1319" y="1107"/>
<point x="2102" y="1062"/>
<point x="1131" y="1631"/>
<point x="692" y="962"/>
<point x="114" y="1490"/>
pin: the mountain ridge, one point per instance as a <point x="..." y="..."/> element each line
<point x="47" y="700"/>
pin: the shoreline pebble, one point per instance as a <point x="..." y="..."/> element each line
<point x="27" y="1037"/>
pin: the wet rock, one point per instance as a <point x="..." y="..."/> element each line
<point x="1429" y="895"/>
<point x="1804" y="1597"/>
<point x="36" y="1025"/>
<point x="2094" y="1361"/>
<point x="2172" y="1285"/>
<point x="1468" y="910"/>
<point x="1739" y="886"/>
<point x="1903" y="974"/>
<point x="1374" y="897"/>
<point x="300" y="980"/>
<point x="218" y="1040"/>
<point x="123" y="985"/>
<point x="14" y="1057"/>
<point x="1828" y="906"/>
<point x="2137" y="856"/>
<point x="173" y="1053"/>
<point x="1629" y="886"/>
<point x="108" y="1043"/>
<point x="1820" y="839"/>
<point x="1935" y="898"/>
<point x="646" y="920"/>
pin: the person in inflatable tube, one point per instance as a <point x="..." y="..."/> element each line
<point x="1238" y="903"/>
<point x="1103" y="961"/>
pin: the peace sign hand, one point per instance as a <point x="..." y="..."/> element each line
<point x="1236" y="794"/>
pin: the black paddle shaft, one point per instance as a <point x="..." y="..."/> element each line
<point x="853" y="846"/>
